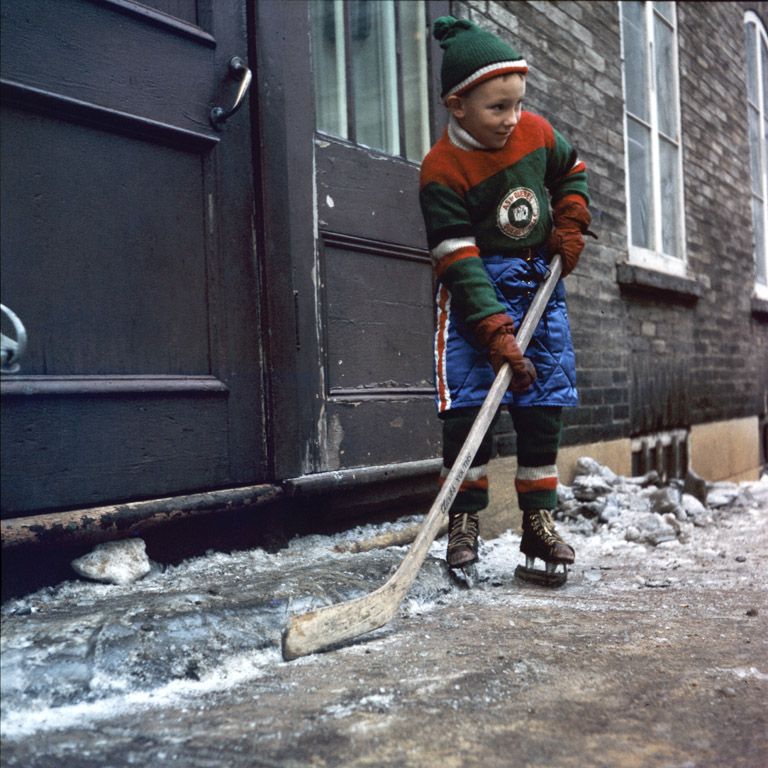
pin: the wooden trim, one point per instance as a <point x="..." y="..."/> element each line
<point x="374" y="247"/>
<point x="85" y="113"/>
<point x="169" y="23"/>
<point x="438" y="114"/>
<point x="323" y="482"/>
<point x="286" y="131"/>
<point x="399" y="75"/>
<point x="119" y="521"/>
<point x="349" y="75"/>
<point x="381" y="393"/>
<point x="108" y="385"/>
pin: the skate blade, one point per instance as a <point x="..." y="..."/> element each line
<point x="547" y="578"/>
<point x="464" y="576"/>
<point x="471" y="576"/>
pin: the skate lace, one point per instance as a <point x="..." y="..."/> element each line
<point x="463" y="530"/>
<point x="543" y="526"/>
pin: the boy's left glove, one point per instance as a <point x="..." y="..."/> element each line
<point x="497" y="334"/>
<point x="571" y="219"/>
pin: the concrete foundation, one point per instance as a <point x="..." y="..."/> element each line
<point x="727" y="450"/>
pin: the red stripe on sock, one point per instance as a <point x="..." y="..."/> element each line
<point x="467" y="485"/>
<point x="529" y="486"/>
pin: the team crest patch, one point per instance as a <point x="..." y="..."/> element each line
<point x="518" y="213"/>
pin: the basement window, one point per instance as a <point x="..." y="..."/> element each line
<point x="666" y="452"/>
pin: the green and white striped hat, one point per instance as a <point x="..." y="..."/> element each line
<point x="472" y="55"/>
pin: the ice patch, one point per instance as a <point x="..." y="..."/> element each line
<point x="745" y="674"/>
<point x="235" y="670"/>
<point x="376" y="702"/>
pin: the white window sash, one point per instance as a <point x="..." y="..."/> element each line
<point x="755" y="26"/>
<point x="655" y="258"/>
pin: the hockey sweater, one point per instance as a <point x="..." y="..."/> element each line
<point x="492" y="201"/>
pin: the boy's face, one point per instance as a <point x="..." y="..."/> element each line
<point x="490" y="111"/>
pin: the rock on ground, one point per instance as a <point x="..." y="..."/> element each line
<point x="115" y="562"/>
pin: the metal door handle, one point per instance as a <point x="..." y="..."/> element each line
<point x="12" y="349"/>
<point x="237" y="68"/>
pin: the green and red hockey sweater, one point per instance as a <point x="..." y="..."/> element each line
<point x="492" y="201"/>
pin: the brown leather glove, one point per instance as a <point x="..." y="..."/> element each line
<point x="497" y="334"/>
<point x="571" y="219"/>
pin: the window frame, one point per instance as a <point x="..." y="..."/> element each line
<point x="349" y="134"/>
<point x="751" y="19"/>
<point x="654" y="258"/>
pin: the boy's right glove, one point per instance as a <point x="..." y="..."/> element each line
<point x="497" y="334"/>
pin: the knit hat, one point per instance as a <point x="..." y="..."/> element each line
<point x="472" y="55"/>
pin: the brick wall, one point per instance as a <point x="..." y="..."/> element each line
<point x="730" y="357"/>
<point x="650" y="357"/>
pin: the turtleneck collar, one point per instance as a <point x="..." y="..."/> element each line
<point x="461" y="138"/>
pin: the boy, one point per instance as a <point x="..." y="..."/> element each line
<point x="483" y="194"/>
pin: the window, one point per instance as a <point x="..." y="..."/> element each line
<point x="652" y="135"/>
<point x="757" y="115"/>
<point x="370" y="73"/>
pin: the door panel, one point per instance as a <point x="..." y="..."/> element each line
<point x="379" y="305"/>
<point x="108" y="210"/>
<point x="118" y="55"/>
<point x="128" y="254"/>
<point x="368" y="194"/>
<point x="134" y="444"/>
<point x="377" y="311"/>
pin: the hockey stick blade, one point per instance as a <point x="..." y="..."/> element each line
<point x="337" y="623"/>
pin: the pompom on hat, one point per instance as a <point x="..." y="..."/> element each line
<point x="472" y="55"/>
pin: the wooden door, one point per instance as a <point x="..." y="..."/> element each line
<point x="127" y="252"/>
<point x="360" y="276"/>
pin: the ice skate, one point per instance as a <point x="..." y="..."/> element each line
<point x="541" y="540"/>
<point x="462" y="545"/>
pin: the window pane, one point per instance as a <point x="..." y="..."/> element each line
<point x="764" y="70"/>
<point x="665" y="82"/>
<point x="750" y="40"/>
<point x="765" y="147"/>
<point x="640" y="183"/>
<point x="415" y="98"/>
<point x="754" y="150"/>
<point x="665" y="8"/>
<point x="670" y="199"/>
<point x="635" y="63"/>
<point x="374" y="63"/>
<point x="327" y="20"/>
<point x="760" y="245"/>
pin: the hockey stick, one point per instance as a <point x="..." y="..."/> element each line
<point x="334" y="624"/>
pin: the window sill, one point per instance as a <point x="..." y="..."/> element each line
<point x="634" y="279"/>
<point x="760" y="308"/>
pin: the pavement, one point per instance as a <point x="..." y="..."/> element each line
<point x="649" y="656"/>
